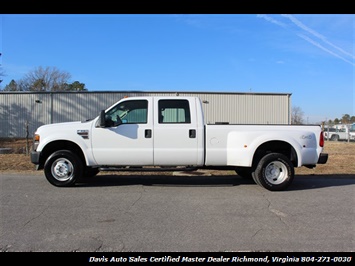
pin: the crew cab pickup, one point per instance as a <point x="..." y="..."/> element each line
<point x="169" y="133"/>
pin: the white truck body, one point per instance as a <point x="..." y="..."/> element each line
<point x="168" y="131"/>
<point x="337" y="133"/>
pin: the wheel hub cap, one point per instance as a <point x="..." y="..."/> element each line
<point x="62" y="169"/>
<point x="276" y="172"/>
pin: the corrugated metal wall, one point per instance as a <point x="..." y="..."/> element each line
<point x="19" y="108"/>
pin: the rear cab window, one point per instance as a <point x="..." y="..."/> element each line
<point x="174" y="112"/>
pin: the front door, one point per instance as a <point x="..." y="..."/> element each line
<point x="127" y="138"/>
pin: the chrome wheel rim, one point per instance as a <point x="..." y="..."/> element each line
<point x="276" y="172"/>
<point x="62" y="169"/>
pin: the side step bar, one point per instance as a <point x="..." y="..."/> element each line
<point x="147" y="169"/>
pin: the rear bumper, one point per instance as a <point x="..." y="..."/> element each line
<point x="323" y="158"/>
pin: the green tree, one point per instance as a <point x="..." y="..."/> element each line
<point x="345" y="119"/>
<point x="12" y="86"/>
<point x="75" y="86"/>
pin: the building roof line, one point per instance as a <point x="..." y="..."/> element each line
<point x="129" y="91"/>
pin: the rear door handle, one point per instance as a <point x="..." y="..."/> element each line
<point x="148" y="133"/>
<point x="192" y="133"/>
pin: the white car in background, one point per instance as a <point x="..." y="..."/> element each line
<point x="352" y="134"/>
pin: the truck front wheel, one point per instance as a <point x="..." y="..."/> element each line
<point x="274" y="172"/>
<point x="63" y="168"/>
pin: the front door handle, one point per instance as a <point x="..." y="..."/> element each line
<point x="192" y="133"/>
<point x="148" y="133"/>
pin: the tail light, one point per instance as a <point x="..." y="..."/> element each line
<point x="321" y="139"/>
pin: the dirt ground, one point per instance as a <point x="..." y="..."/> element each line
<point x="341" y="159"/>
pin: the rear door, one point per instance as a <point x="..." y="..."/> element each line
<point x="175" y="132"/>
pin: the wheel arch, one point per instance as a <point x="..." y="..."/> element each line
<point x="335" y="137"/>
<point x="60" y="145"/>
<point x="276" y="146"/>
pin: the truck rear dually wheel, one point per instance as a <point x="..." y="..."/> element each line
<point x="274" y="172"/>
<point x="63" y="168"/>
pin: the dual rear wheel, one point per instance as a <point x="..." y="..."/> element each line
<point x="274" y="172"/>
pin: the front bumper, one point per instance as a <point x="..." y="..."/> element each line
<point x="35" y="159"/>
<point x="35" y="155"/>
<point x="323" y="158"/>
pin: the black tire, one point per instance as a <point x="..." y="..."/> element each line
<point x="63" y="168"/>
<point x="275" y="172"/>
<point x="335" y="137"/>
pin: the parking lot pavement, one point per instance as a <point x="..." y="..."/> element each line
<point x="143" y="213"/>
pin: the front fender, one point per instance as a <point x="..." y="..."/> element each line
<point x="79" y="141"/>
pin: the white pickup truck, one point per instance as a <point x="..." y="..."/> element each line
<point x="169" y="133"/>
<point x="336" y="134"/>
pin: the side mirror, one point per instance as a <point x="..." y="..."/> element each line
<point x="102" y="121"/>
<point x="119" y="121"/>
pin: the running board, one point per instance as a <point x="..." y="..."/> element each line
<point x="147" y="169"/>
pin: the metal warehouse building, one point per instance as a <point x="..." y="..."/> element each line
<point x="22" y="110"/>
